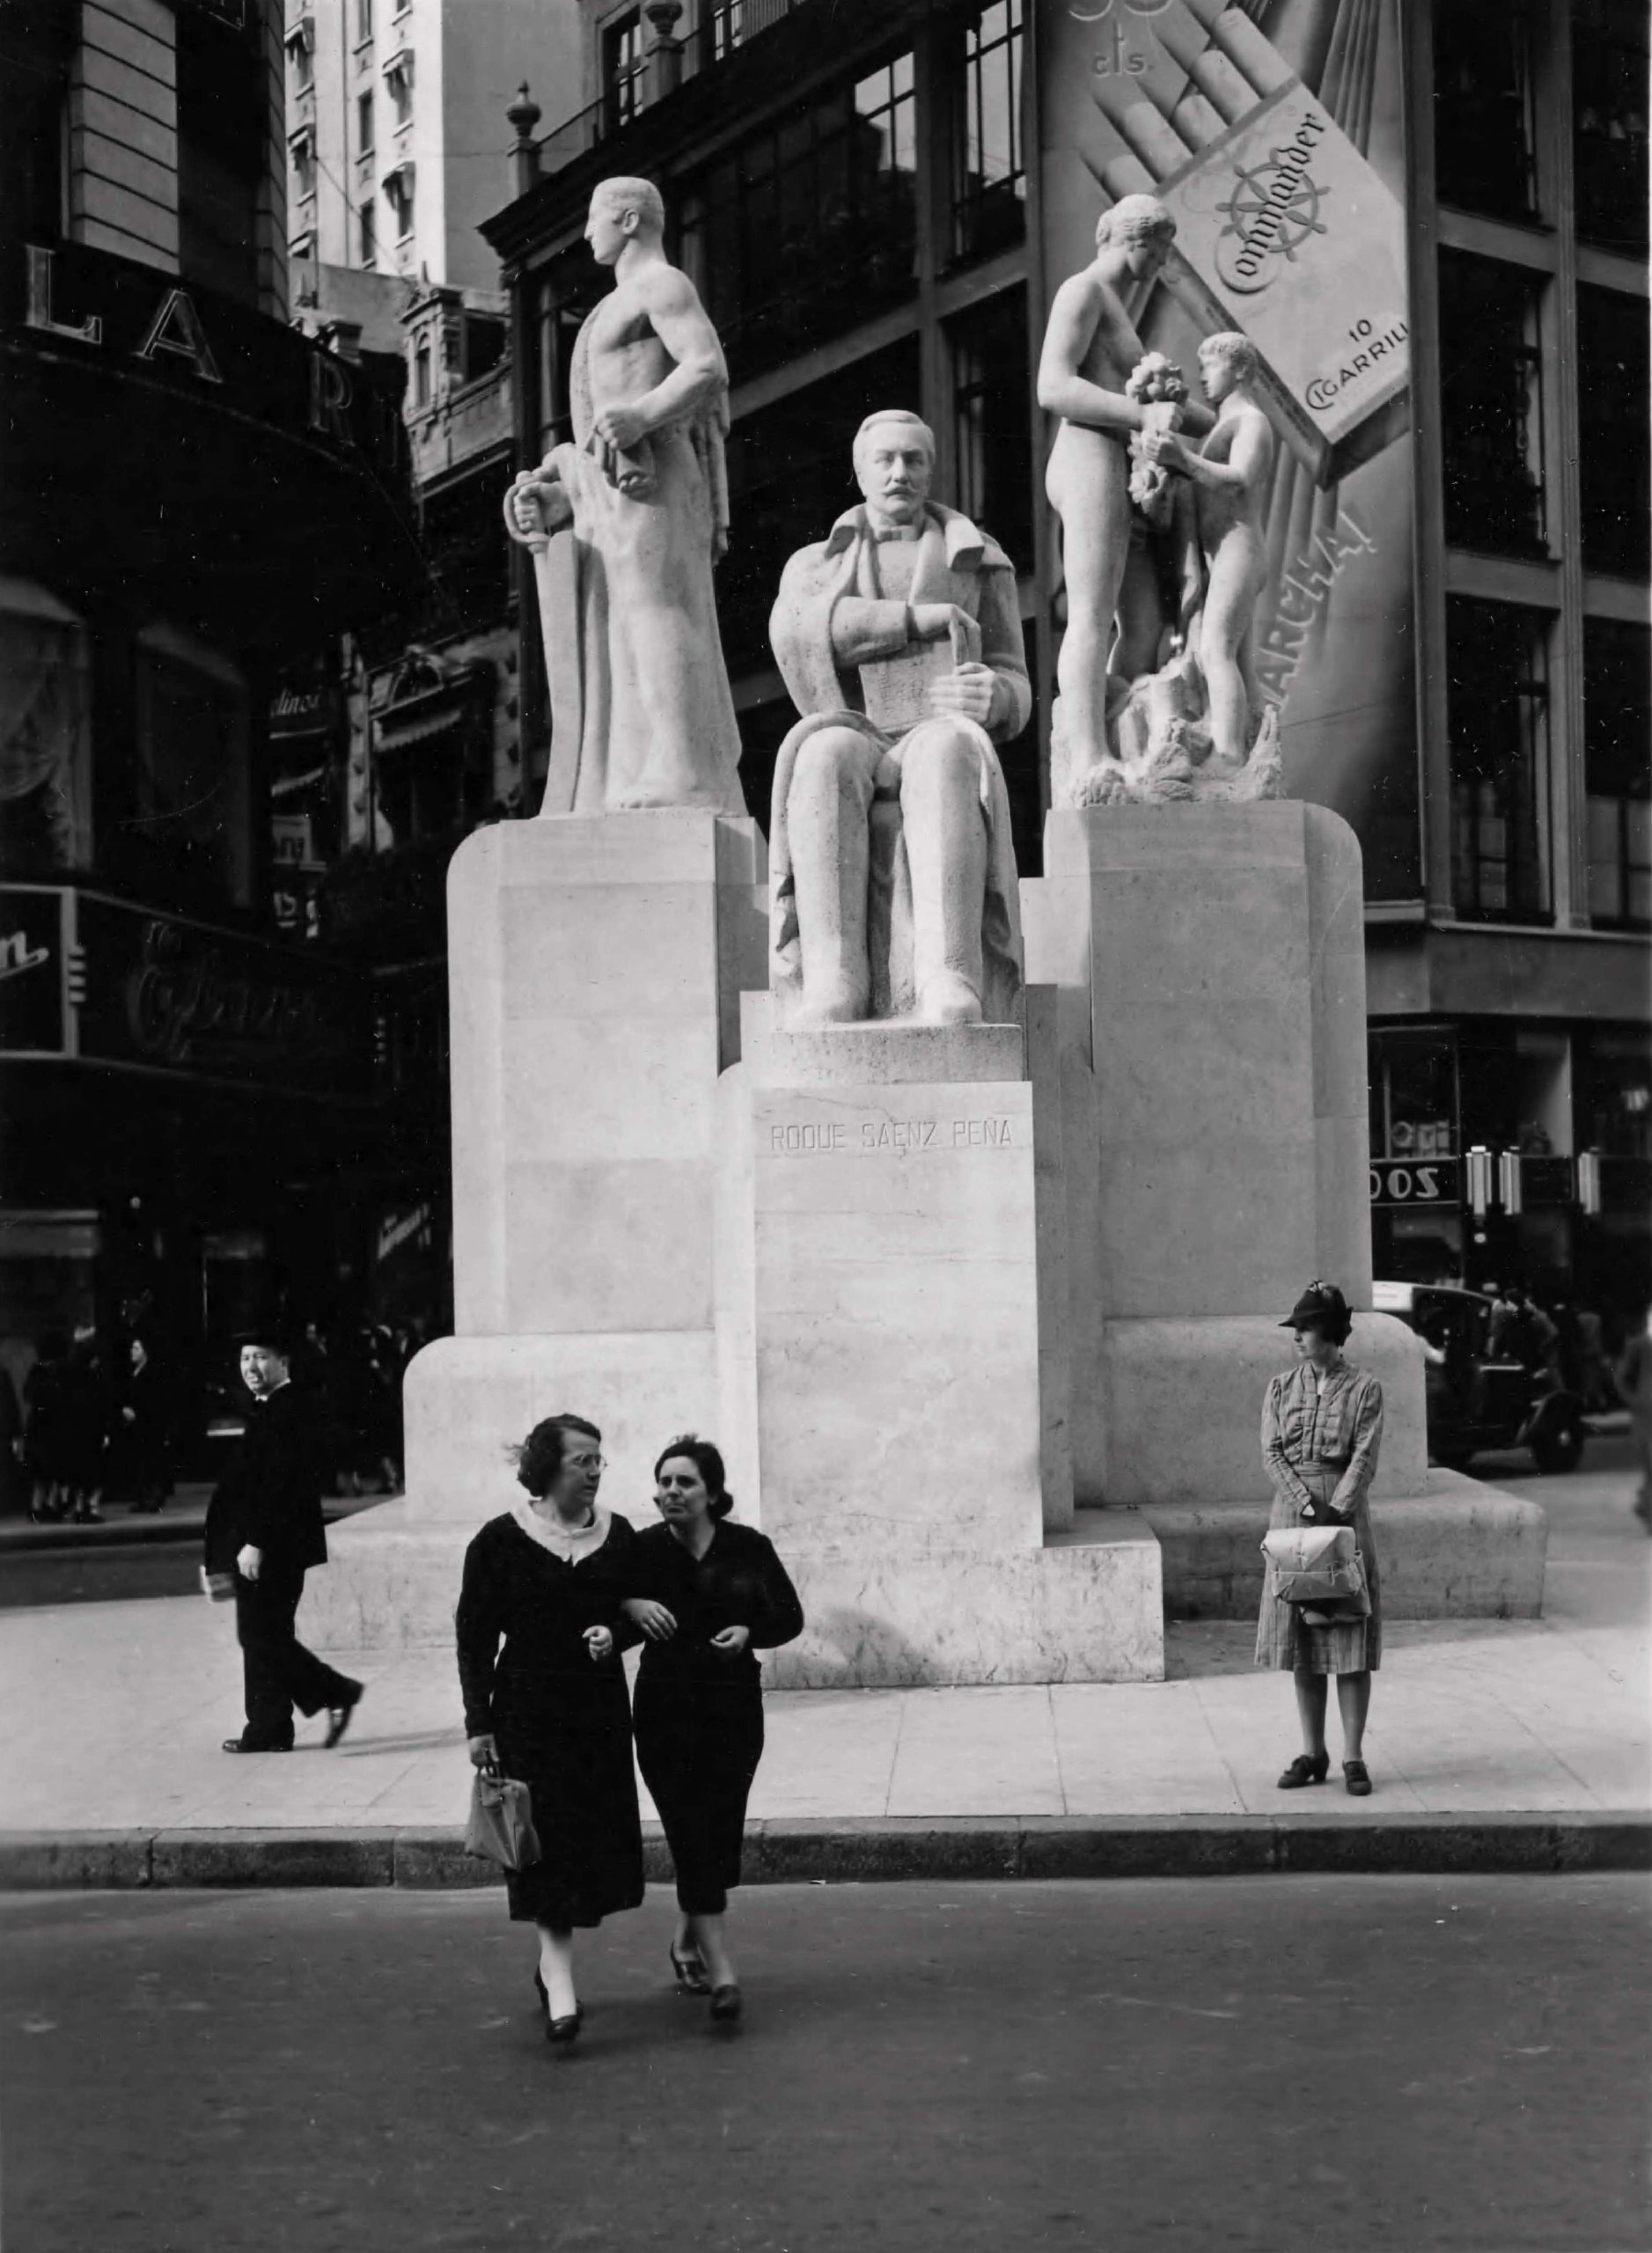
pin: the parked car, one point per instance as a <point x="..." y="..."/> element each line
<point x="1477" y="1404"/>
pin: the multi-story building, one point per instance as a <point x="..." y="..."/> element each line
<point x="396" y="127"/>
<point x="877" y="199"/>
<point x="194" y="495"/>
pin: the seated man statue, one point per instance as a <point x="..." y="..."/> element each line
<point x="893" y="871"/>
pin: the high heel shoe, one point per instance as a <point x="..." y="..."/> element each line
<point x="1304" y="1770"/>
<point x="691" y="1973"/>
<point x="727" y="2004"/>
<point x="544" y="2001"/>
<point x="1357" y="1779"/>
<point x="561" y="2030"/>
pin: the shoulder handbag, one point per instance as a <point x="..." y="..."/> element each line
<point x="1317" y="1564"/>
<point x="501" y="1825"/>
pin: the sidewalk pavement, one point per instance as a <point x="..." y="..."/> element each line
<point x="1493" y="1744"/>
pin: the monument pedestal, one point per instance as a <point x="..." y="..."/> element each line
<point x="895" y="1363"/>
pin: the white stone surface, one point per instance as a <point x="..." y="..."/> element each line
<point x="1226" y="1000"/>
<point x="894" y="1312"/>
<point x="874" y="1052"/>
<point x="589" y="965"/>
<point x="1182" y="1402"/>
<point x="1087" y="1607"/>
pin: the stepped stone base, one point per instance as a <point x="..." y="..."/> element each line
<point x="1456" y="1551"/>
<point x="1087" y="1607"/>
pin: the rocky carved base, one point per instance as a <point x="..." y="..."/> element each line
<point x="1161" y="751"/>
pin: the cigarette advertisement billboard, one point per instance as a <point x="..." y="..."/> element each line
<point x="1273" y="135"/>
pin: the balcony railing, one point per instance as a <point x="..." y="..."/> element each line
<point x="724" y="26"/>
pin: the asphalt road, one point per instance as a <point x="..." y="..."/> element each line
<point x="1299" y="2065"/>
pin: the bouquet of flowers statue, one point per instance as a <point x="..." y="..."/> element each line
<point x="1154" y="381"/>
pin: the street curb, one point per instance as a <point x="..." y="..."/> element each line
<point x="868" y="1850"/>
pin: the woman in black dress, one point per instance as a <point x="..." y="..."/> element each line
<point x="708" y="1598"/>
<point x="550" y="1707"/>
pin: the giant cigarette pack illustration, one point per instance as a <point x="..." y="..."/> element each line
<point x="1284" y="230"/>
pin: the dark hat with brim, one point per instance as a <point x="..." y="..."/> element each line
<point x="276" y="1336"/>
<point x="1321" y="1307"/>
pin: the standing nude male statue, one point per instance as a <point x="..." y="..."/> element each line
<point x="893" y="869"/>
<point x="1231" y="475"/>
<point x="644" y="489"/>
<point x="1090" y="349"/>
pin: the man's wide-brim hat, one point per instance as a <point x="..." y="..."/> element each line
<point x="1321" y="1307"/>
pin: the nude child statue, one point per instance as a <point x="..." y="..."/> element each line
<point x="1231" y="475"/>
<point x="1090" y="349"/>
<point x="644" y="489"/>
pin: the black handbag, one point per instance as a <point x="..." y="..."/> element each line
<point x="501" y="1826"/>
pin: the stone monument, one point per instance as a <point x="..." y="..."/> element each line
<point x="964" y="1212"/>
<point x="641" y="717"/>
<point x="898" y="637"/>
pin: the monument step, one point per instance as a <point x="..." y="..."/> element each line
<point x="1459" y="1550"/>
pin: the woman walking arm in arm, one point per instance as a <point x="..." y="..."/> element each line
<point x="707" y="1597"/>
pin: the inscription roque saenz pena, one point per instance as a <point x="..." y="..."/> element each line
<point x="834" y="1137"/>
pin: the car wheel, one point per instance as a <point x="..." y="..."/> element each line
<point x="1558" y="1450"/>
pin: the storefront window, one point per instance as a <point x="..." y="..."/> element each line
<point x="808" y="228"/>
<point x="1497" y="714"/>
<point x="1609" y="121"/>
<point x="183" y="838"/>
<point x="1618" y="772"/>
<point x="1413" y="1094"/>
<point x="1614" y="443"/>
<point x="1484" y="128"/>
<point x="1615" y="1094"/>
<point x="1491" y="404"/>
<point x="992" y="408"/>
<point x="990" y="203"/>
<point x="44" y="734"/>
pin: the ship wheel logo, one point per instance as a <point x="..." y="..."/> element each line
<point x="1273" y="210"/>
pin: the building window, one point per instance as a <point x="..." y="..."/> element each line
<point x="808" y="229"/>
<point x="363" y="125"/>
<point x="622" y="68"/>
<point x="363" y="21"/>
<point x="399" y="85"/>
<point x="397" y="187"/>
<point x="790" y="478"/>
<point x="483" y="347"/>
<point x="1618" y="772"/>
<point x="990" y="210"/>
<point x="301" y="53"/>
<point x="367" y="232"/>
<point x="992" y="415"/>
<point x="722" y="28"/>
<point x="421" y="364"/>
<point x="1609" y="121"/>
<point x="1497" y="715"/>
<point x="1491" y="406"/>
<point x="303" y="153"/>
<point x="1614" y="451"/>
<point x="1485" y="136"/>
<point x="45" y="732"/>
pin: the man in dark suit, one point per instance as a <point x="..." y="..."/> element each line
<point x="265" y="1528"/>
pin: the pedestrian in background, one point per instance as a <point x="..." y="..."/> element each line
<point x="1633" y="1374"/>
<point x="43" y="1444"/>
<point x="139" y="1446"/>
<point x="707" y="1596"/>
<point x="1322" y="1427"/>
<point x="537" y="1630"/>
<point x="1594" y="1376"/>
<point x="13" y="1484"/>
<point x="264" y="1527"/>
<point x="85" y="1413"/>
